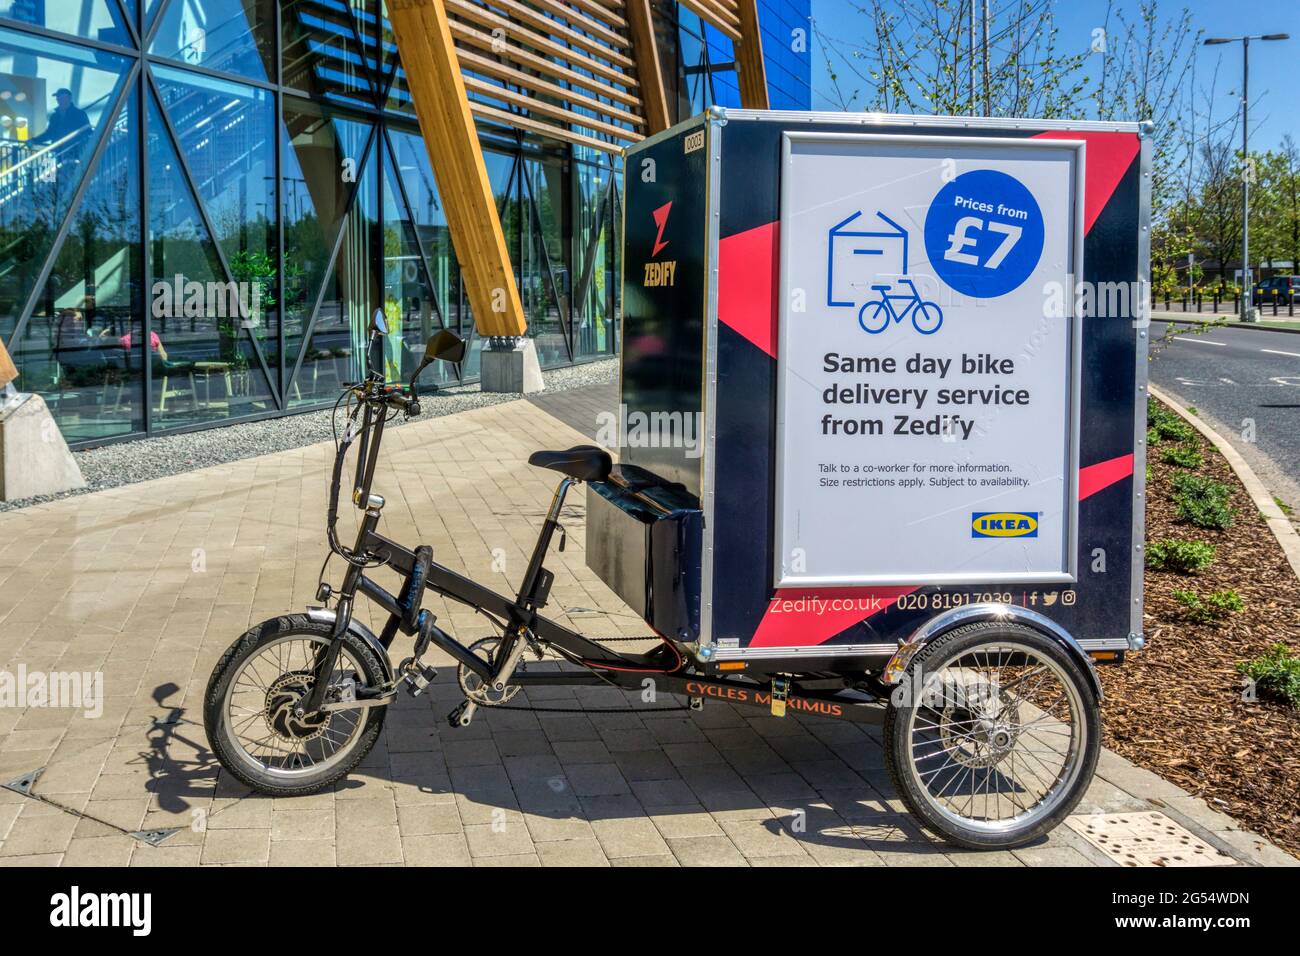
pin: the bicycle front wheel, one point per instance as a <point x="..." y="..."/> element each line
<point x="249" y="708"/>
<point x="926" y="318"/>
<point x="994" y="735"/>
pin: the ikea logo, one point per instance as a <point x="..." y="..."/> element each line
<point x="1004" y="524"/>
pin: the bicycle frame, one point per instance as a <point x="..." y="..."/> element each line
<point x="519" y="615"/>
<point x="912" y="301"/>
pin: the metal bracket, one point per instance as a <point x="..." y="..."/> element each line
<point x="780" y="693"/>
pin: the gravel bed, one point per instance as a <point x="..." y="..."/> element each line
<point x="144" y="459"/>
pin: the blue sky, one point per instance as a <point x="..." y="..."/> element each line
<point x="1274" y="103"/>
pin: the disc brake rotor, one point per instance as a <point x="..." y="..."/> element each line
<point x="980" y="732"/>
<point x="281" y="698"/>
<point x="474" y="687"/>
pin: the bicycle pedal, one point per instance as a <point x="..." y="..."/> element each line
<point x="462" y="714"/>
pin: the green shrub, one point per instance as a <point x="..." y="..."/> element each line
<point x="1175" y="554"/>
<point x="1183" y="456"/>
<point x="1173" y="428"/>
<point x="1153" y="437"/>
<point x="1202" y="501"/>
<point x="1166" y="425"/>
<point x="1276" y="674"/>
<point x="1214" y="608"/>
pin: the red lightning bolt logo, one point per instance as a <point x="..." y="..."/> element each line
<point x="661" y="220"/>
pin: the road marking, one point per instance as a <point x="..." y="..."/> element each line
<point x="1201" y="342"/>
<point x="1276" y="352"/>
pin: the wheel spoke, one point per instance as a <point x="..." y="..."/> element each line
<point x="995" y="736"/>
<point x="259" y="718"/>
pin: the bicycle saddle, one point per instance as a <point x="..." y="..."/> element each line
<point x="581" y="462"/>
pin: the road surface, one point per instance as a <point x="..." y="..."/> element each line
<point x="1234" y="377"/>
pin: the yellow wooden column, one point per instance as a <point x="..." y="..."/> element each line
<point x="8" y="373"/>
<point x="752" y="74"/>
<point x="641" y="31"/>
<point x="438" y="92"/>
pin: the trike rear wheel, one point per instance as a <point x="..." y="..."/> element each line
<point x="993" y="735"/>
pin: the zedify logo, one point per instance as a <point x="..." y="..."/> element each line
<point x="664" y="273"/>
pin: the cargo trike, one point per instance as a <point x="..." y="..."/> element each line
<point x="936" y="528"/>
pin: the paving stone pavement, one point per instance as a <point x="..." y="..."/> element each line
<point x="146" y="586"/>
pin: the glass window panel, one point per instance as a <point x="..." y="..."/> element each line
<point x="593" y="262"/>
<point x="326" y="160"/>
<point x="422" y="284"/>
<point x="54" y="100"/>
<point x="235" y="36"/>
<point x="82" y="347"/>
<point x="408" y="298"/>
<point x="227" y="133"/>
<point x="93" y="19"/>
<point x="506" y="188"/>
<point x="543" y="271"/>
<point x="324" y="52"/>
<point x="616" y="263"/>
<point x="151" y="8"/>
<point x="203" y="362"/>
<point x="388" y="57"/>
<point x="322" y="168"/>
<point x="336" y="352"/>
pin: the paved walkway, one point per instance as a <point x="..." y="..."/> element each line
<point x="146" y="585"/>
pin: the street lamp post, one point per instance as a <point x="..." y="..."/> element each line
<point x="1247" y="289"/>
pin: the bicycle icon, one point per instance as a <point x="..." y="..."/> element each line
<point x="876" y="315"/>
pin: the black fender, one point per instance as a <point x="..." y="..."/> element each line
<point x="361" y="632"/>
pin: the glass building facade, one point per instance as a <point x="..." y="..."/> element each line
<point x="704" y="65"/>
<point x="203" y="201"/>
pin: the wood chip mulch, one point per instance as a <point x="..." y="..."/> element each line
<point x="1177" y="707"/>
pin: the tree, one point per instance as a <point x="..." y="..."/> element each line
<point x="1275" y="204"/>
<point x="1217" y="215"/>
<point x="917" y="56"/>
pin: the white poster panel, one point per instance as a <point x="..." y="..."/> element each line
<point x="927" y="389"/>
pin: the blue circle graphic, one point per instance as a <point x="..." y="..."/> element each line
<point x="984" y="233"/>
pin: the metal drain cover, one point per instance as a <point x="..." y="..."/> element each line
<point x="25" y="783"/>
<point x="153" y="837"/>
<point x="1146" y="839"/>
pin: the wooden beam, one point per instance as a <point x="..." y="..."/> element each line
<point x="582" y="21"/>
<point x="715" y="16"/>
<point x="750" y="69"/>
<point x="8" y="373"/>
<point x="654" y="101"/>
<point x="473" y="63"/>
<point x="507" y="118"/>
<point x="544" y="24"/>
<point x="493" y="21"/>
<point x="535" y="105"/>
<point x="438" y="93"/>
<point x="601" y="12"/>
<point x="466" y="34"/>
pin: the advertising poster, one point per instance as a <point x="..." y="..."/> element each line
<point x="927" y="390"/>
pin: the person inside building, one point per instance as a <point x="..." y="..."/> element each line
<point x="67" y="123"/>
